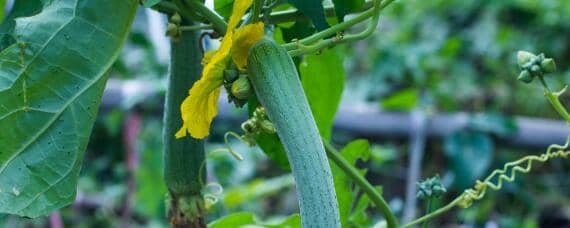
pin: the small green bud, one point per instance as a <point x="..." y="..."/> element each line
<point x="230" y="75"/>
<point x="430" y="188"/>
<point x="535" y="70"/>
<point x="267" y="127"/>
<point x="524" y="57"/>
<point x="172" y="30"/>
<point x="176" y="19"/>
<point x="241" y="88"/>
<point x="548" y="65"/>
<point x="259" y="113"/>
<point x="525" y="76"/>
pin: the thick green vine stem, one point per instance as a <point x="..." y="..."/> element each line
<point x="318" y="41"/>
<point x="194" y="8"/>
<point x="553" y="98"/>
<point x="183" y="158"/>
<point x="359" y="180"/>
<point x="496" y="179"/>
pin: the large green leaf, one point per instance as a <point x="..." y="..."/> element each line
<point x="224" y="7"/>
<point x="323" y="81"/>
<point x="358" y="149"/>
<point x="19" y="9"/>
<point x="314" y="10"/>
<point x="51" y="82"/>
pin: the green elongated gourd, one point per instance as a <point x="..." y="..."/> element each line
<point x="278" y="88"/>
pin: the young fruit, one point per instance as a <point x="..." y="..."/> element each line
<point x="276" y="82"/>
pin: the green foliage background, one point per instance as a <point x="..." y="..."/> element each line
<point x="439" y="56"/>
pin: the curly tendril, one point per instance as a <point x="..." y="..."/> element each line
<point x="500" y="176"/>
<point x="257" y="124"/>
<point x="503" y="175"/>
<point x="212" y="192"/>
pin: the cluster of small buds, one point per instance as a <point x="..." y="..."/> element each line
<point x="533" y="66"/>
<point x="238" y="86"/>
<point x="258" y="123"/>
<point x="173" y="27"/>
<point x="430" y="188"/>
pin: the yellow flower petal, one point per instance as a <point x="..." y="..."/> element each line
<point x="208" y="57"/>
<point x="243" y="39"/>
<point x="240" y="6"/>
<point x="201" y="106"/>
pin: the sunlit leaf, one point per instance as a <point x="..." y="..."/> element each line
<point x="356" y="150"/>
<point x="314" y="10"/>
<point x="224" y="7"/>
<point x="322" y="77"/>
<point x="403" y="100"/>
<point x="51" y="82"/>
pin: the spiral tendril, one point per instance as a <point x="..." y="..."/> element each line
<point x="503" y="175"/>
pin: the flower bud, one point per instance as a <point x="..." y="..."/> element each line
<point x="241" y="88"/>
<point x="267" y="127"/>
<point x="535" y="70"/>
<point x="230" y="75"/>
<point x="176" y="19"/>
<point x="172" y="30"/>
<point x="548" y="65"/>
<point x="524" y="57"/>
<point x="525" y="77"/>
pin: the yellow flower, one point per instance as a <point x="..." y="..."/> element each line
<point x="200" y="107"/>
<point x="244" y="38"/>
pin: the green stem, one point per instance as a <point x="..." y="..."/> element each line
<point x="184" y="159"/>
<point x="194" y="27"/>
<point x="359" y="180"/>
<point x="436" y="213"/>
<point x="256" y="10"/>
<point x="303" y="49"/>
<point x="166" y="7"/>
<point x="554" y="101"/>
<point x="333" y="30"/>
<point x="296" y="15"/>
<point x="186" y="12"/>
<point x="190" y="6"/>
<point x="428" y="210"/>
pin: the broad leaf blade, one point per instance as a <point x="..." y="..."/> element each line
<point x="314" y="10"/>
<point x="355" y="150"/>
<point x="224" y="7"/>
<point x="51" y="82"/>
<point x="323" y="81"/>
<point x="19" y="9"/>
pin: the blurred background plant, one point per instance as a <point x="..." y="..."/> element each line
<point x="445" y="69"/>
